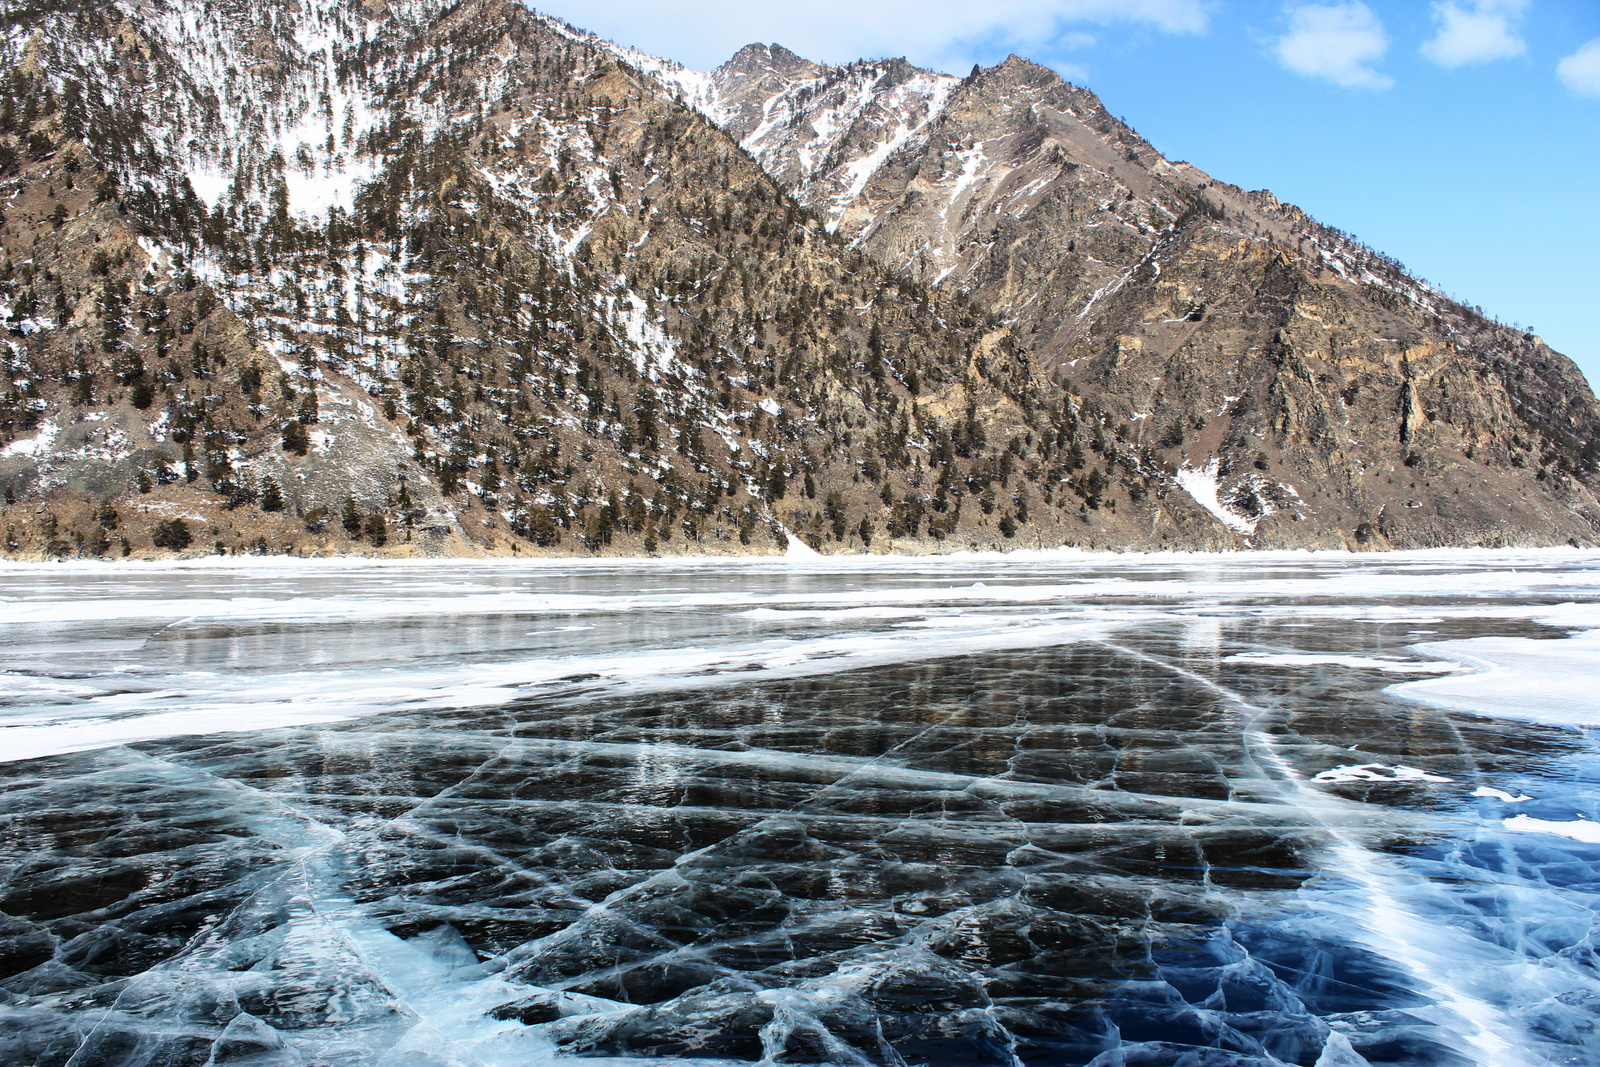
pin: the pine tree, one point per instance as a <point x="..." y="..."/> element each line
<point x="295" y="438"/>
<point x="173" y="534"/>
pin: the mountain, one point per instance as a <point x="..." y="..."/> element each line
<point x="1229" y="330"/>
<point x="426" y="277"/>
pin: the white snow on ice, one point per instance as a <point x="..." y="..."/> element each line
<point x="1551" y="681"/>
<point x="1311" y="659"/>
<point x="1491" y="793"/>
<point x="1577" y="830"/>
<point x="1378" y="772"/>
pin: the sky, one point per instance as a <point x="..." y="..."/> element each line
<point x="1461" y="137"/>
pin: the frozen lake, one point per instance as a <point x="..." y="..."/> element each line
<point x="1193" y="810"/>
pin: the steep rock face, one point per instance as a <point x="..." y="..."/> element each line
<point x="1335" y="397"/>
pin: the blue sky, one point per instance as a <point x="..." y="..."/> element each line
<point x="1460" y="136"/>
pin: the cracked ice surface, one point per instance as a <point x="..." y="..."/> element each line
<point x="1051" y="810"/>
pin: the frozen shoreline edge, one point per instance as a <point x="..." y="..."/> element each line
<point x="814" y="561"/>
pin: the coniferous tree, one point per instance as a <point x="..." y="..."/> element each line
<point x="173" y="534"/>
<point x="295" y="438"/>
<point x="350" y="516"/>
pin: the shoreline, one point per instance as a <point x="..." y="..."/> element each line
<point x="807" y="559"/>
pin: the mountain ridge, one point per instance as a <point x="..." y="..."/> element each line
<point x="1093" y="138"/>
<point x="461" y="279"/>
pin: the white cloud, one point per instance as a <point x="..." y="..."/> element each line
<point x="1580" y="72"/>
<point x="947" y="34"/>
<point x="1476" y="31"/>
<point x="1338" y="42"/>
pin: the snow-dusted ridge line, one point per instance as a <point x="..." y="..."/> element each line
<point x="696" y="88"/>
<point x="917" y="103"/>
<point x="811" y="122"/>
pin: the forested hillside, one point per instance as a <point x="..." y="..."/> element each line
<point x="454" y="278"/>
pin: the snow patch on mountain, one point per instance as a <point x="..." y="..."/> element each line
<point x="1202" y="485"/>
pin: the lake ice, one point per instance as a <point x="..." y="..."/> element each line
<point x="1056" y="809"/>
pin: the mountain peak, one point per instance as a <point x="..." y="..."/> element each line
<point x="1016" y="66"/>
<point x="770" y="58"/>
